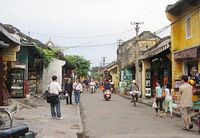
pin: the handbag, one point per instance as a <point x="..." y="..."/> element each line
<point x="52" y="98"/>
<point x="154" y="105"/>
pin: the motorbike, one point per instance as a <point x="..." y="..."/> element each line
<point x="135" y="95"/>
<point x="19" y="131"/>
<point x="107" y="95"/>
<point x="92" y="88"/>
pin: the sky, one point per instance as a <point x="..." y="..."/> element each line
<point x="93" y="26"/>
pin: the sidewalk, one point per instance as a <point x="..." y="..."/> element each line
<point x="39" y="120"/>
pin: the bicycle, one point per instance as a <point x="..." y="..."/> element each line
<point x="6" y="120"/>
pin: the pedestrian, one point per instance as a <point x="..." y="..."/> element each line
<point x="159" y="99"/>
<point x="168" y="100"/>
<point x="186" y="103"/>
<point x="86" y="84"/>
<point x="77" y="87"/>
<point x="54" y="89"/>
<point x="134" y="88"/>
<point x="68" y="91"/>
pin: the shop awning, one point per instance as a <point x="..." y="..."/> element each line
<point x="164" y="45"/>
<point x="186" y="54"/>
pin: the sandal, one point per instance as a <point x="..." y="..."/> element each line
<point x="190" y="126"/>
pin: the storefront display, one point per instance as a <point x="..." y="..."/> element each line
<point x="32" y="78"/>
<point x="148" y="84"/>
<point x="16" y="80"/>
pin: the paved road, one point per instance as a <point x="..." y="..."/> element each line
<point x="120" y="119"/>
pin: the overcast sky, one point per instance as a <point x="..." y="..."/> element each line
<point x="93" y="25"/>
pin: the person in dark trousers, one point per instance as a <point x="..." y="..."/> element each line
<point x="159" y="99"/>
<point x="68" y="91"/>
<point x="55" y="88"/>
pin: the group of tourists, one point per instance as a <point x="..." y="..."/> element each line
<point x="55" y="90"/>
<point x="163" y="96"/>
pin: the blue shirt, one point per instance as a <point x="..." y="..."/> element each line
<point x="158" y="91"/>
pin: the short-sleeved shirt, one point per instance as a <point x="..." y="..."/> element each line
<point x="54" y="87"/>
<point x="186" y="95"/>
<point x="168" y="95"/>
<point x="158" y="91"/>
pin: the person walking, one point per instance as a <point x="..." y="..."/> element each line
<point x="186" y="103"/>
<point x="159" y="99"/>
<point x="54" y="89"/>
<point x="77" y="87"/>
<point x="68" y="91"/>
<point x="168" y="100"/>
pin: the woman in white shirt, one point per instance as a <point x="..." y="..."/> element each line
<point x="168" y="100"/>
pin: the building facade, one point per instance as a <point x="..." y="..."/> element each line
<point x="185" y="33"/>
<point x="127" y="57"/>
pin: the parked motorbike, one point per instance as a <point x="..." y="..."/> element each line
<point x="20" y="131"/>
<point x="107" y="95"/>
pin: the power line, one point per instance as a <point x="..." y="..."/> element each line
<point x="86" y="46"/>
<point x="79" y="37"/>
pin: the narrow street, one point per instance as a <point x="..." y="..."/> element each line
<point x="118" y="118"/>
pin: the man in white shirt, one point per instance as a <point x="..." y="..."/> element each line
<point x="54" y="89"/>
<point x="78" y="88"/>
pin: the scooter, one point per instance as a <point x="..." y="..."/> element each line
<point x="92" y="88"/>
<point x="20" y="131"/>
<point x="107" y="95"/>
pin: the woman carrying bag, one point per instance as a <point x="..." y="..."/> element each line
<point x="168" y="100"/>
<point x="159" y="99"/>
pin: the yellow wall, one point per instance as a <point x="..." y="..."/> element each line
<point x="114" y="71"/>
<point x="146" y="65"/>
<point x="179" y="40"/>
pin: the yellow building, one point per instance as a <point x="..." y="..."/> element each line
<point x="114" y="72"/>
<point x="185" y="36"/>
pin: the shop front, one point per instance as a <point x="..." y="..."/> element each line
<point x="9" y="45"/>
<point x="156" y="64"/>
<point x="126" y="76"/>
<point x="189" y="61"/>
<point x="160" y="72"/>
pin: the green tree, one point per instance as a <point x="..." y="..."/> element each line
<point x="95" y="73"/>
<point x="82" y="65"/>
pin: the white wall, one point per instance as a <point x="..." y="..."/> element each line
<point x="54" y="68"/>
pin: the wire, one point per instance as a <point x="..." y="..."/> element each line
<point x="78" y="46"/>
<point x="63" y="36"/>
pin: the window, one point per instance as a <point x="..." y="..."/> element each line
<point x="188" y="28"/>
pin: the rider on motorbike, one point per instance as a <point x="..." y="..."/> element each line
<point x="92" y="86"/>
<point x="134" y="88"/>
<point x="107" y="85"/>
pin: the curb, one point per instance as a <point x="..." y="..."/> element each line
<point x="80" y="133"/>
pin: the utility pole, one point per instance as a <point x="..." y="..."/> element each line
<point x="137" y="28"/>
<point x="119" y="42"/>
<point x="138" y="75"/>
<point x="104" y="61"/>
<point x="29" y="33"/>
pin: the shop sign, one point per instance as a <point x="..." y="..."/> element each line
<point x="9" y="55"/>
